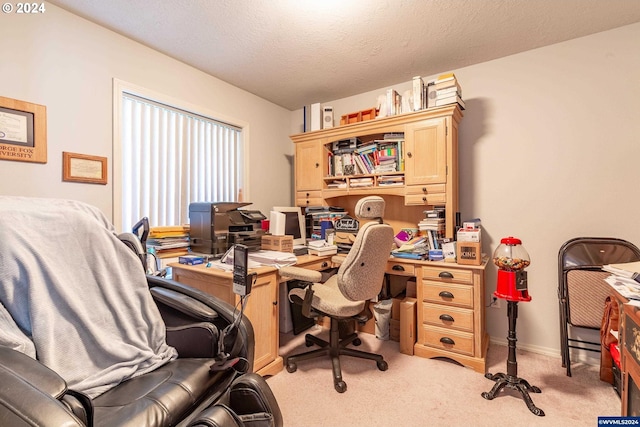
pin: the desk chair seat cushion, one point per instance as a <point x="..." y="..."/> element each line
<point x="90" y="318"/>
<point x="328" y="299"/>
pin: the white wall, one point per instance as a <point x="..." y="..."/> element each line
<point x="68" y="64"/>
<point x="549" y="151"/>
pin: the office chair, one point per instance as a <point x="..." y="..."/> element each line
<point x="581" y="287"/>
<point x="344" y="296"/>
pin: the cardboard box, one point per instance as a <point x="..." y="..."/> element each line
<point x="394" y="330"/>
<point x="468" y="235"/>
<point x="277" y="243"/>
<point x="408" y="329"/>
<point x="469" y="253"/>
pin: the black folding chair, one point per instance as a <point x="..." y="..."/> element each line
<point x="582" y="289"/>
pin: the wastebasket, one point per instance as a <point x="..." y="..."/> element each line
<point x="382" y="315"/>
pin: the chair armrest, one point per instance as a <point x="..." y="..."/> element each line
<point x="30" y="393"/>
<point x="184" y="304"/>
<point x="30" y="370"/>
<point x="338" y="259"/>
<point x="300" y="273"/>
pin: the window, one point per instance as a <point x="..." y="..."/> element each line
<point x="170" y="157"/>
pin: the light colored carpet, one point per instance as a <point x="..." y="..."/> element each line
<point x="418" y="392"/>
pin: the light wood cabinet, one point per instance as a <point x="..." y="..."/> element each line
<point x="261" y="308"/>
<point x="429" y="164"/>
<point x="451" y="314"/>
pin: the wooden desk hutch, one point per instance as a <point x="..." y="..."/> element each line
<point x="450" y="312"/>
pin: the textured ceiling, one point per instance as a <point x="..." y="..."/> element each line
<point x="296" y="52"/>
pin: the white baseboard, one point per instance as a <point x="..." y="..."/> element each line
<point x="577" y="356"/>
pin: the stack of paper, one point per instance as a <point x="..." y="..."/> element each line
<point x="625" y="279"/>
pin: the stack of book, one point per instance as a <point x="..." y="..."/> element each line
<point x="169" y="241"/>
<point x="448" y="90"/>
<point x="433" y="225"/>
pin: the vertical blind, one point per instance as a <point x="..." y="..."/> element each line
<point x="172" y="157"/>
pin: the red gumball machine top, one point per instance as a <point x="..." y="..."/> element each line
<point x="510" y="255"/>
<point x="511" y="259"/>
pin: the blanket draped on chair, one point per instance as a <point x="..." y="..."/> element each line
<point x="74" y="296"/>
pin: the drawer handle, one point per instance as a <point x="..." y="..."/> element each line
<point x="445" y="275"/>
<point x="445" y="294"/>
<point x="325" y="264"/>
<point x="275" y="302"/>
<point x="409" y="155"/>
<point x="447" y="340"/>
<point x="446" y="318"/>
<point x="424" y="199"/>
<point x="397" y="268"/>
<point x="424" y="189"/>
<point x="317" y="165"/>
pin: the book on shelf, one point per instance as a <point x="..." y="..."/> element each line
<point x="450" y="100"/>
<point x="418" y="94"/>
<point x="394" y="102"/>
<point x="449" y="88"/>
<point x="337" y="183"/>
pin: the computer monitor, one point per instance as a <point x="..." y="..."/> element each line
<point x="294" y="224"/>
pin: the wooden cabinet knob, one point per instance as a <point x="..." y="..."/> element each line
<point x="317" y="165"/>
<point x="409" y="155"/>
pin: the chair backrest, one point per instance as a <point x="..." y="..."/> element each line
<point x="581" y="280"/>
<point x="360" y="275"/>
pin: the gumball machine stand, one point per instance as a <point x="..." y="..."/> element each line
<point x="511" y="259"/>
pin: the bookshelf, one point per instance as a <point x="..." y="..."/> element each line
<point x="425" y="174"/>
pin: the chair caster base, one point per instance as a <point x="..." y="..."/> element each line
<point x="340" y="386"/>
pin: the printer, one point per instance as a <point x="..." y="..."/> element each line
<point x="215" y="226"/>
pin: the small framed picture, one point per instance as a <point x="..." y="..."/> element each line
<point x="84" y="168"/>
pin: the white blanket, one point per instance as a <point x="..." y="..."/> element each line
<point x="75" y="297"/>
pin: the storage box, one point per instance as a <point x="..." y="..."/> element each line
<point x="469" y="253"/>
<point x="394" y="330"/>
<point x="408" y="330"/>
<point x="468" y="235"/>
<point x="277" y="243"/>
<point x="191" y="260"/>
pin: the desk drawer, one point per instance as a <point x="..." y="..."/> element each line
<point x="446" y="274"/>
<point x="448" y="317"/>
<point x="319" y="265"/>
<point x="447" y="339"/>
<point x="400" y="268"/>
<point x="430" y="189"/>
<point x="425" y="199"/>
<point x="447" y="293"/>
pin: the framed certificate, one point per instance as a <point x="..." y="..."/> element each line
<point x="84" y="168"/>
<point x="23" y="131"/>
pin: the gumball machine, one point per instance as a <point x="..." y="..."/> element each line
<point x="511" y="259"/>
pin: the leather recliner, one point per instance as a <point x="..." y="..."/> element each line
<point x="209" y="383"/>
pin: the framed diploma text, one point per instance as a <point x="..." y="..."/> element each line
<point x="84" y="168"/>
<point x="23" y="131"/>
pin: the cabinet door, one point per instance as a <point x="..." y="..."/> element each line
<point x="309" y="166"/>
<point x="426" y="152"/>
<point x="262" y="311"/>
